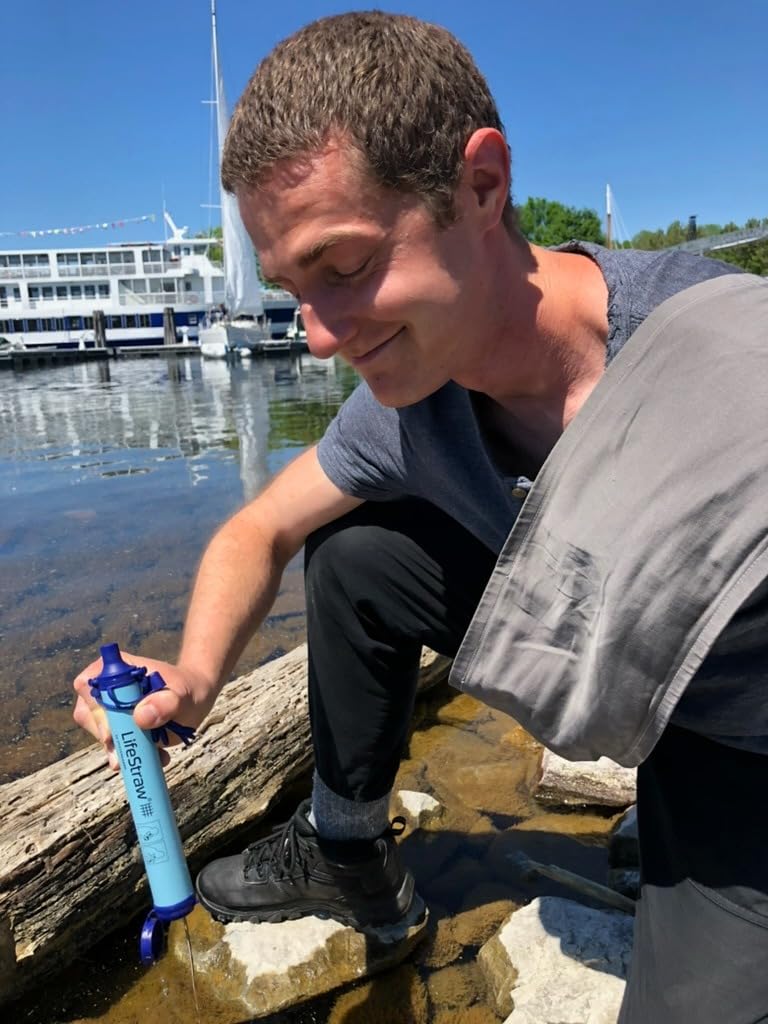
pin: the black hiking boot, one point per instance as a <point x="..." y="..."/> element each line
<point x="293" y="873"/>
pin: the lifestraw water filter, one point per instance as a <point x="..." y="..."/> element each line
<point x="118" y="689"/>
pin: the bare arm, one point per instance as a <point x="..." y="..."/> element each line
<point x="241" y="570"/>
<point x="236" y="584"/>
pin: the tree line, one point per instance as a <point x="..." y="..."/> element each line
<point x="547" y="222"/>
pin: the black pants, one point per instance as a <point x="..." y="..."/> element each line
<point x="390" y="577"/>
<point x="381" y="582"/>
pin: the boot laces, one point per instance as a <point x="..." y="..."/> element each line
<point x="284" y="849"/>
<point x="278" y="854"/>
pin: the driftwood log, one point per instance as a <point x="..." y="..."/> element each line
<point x="70" y="867"/>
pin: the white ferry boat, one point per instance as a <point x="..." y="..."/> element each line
<point x="48" y="296"/>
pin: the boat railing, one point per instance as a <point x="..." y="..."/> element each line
<point x="97" y="270"/>
<point x="159" y="299"/>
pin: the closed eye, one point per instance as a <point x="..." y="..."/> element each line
<point x="337" y="275"/>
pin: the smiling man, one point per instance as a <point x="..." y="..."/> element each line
<point x="373" y="175"/>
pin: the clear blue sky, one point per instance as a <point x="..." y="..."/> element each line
<point x="100" y="103"/>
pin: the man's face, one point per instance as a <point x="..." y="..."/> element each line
<point x="377" y="281"/>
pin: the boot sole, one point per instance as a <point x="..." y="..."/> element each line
<point x="415" y="913"/>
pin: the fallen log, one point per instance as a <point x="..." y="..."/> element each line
<point x="70" y="867"/>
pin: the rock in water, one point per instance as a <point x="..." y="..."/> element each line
<point x="556" y="960"/>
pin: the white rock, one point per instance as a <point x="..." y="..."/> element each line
<point x="593" y="783"/>
<point x="419" y="807"/>
<point x="564" y="963"/>
<point x="269" y="967"/>
<point x="268" y="948"/>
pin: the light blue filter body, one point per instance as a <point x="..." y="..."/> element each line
<point x="118" y="692"/>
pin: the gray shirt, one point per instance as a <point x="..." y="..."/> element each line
<point x="437" y="450"/>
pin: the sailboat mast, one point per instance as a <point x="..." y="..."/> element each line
<point x="219" y="119"/>
<point x="608" y="215"/>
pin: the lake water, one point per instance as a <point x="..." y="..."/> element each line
<point x="113" y="476"/>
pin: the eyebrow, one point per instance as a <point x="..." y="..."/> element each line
<point x="320" y="247"/>
<point x="316" y="251"/>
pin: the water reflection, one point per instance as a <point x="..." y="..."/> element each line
<point x="112" y="478"/>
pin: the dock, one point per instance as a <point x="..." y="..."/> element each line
<point x="39" y="358"/>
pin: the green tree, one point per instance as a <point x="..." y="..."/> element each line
<point x="752" y="258"/>
<point x="546" y="222"/>
<point x="215" y="252"/>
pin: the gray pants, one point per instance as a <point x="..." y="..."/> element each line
<point x="700" y="952"/>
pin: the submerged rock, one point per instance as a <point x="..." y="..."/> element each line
<point x="267" y="967"/>
<point x="556" y="960"/>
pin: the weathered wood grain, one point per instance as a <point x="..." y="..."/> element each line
<point x="70" y="867"/>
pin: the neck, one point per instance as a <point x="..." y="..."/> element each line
<point x="539" y="353"/>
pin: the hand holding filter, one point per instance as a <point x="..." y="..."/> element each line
<point x="118" y="689"/>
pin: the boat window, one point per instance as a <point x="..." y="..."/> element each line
<point x="103" y="291"/>
<point x="155" y="285"/>
<point x="143" y="320"/>
<point x="101" y="258"/>
<point x="34" y="292"/>
<point x="77" y="291"/>
<point x="130" y="320"/>
<point x="61" y="291"/>
<point x="86" y="258"/>
<point x="90" y="291"/>
<point x="88" y="323"/>
<point x="14" y="260"/>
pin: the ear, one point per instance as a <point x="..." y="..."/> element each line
<point x="486" y="175"/>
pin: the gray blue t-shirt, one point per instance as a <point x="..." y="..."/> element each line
<point x="437" y="450"/>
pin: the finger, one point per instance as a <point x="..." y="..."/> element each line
<point x="157" y="709"/>
<point x="92" y="718"/>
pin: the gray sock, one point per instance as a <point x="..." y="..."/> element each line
<point x="336" y="817"/>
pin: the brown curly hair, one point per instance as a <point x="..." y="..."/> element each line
<point x="405" y="92"/>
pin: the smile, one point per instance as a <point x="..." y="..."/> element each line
<point x="373" y="353"/>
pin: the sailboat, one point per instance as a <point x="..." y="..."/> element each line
<point x="240" y="328"/>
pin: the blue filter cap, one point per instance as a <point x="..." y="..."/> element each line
<point x="113" y="664"/>
<point x="154" y="939"/>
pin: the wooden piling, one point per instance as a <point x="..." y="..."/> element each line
<point x="169" y="326"/>
<point x="99" y="328"/>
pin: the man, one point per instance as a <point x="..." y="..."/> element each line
<point x="373" y="177"/>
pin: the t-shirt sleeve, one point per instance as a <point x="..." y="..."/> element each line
<point x="361" y="451"/>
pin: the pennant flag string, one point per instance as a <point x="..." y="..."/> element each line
<point x="79" y="229"/>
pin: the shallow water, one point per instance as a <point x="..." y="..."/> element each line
<point x="112" y="478"/>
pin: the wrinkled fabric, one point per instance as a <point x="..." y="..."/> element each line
<point x="644" y="532"/>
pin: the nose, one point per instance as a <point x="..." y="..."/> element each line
<point x="327" y="330"/>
